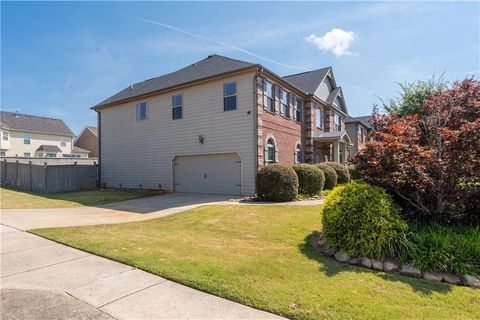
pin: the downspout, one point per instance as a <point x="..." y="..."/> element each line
<point x="99" y="167"/>
<point x="255" y="122"/>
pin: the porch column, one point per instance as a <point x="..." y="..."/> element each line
<point x="336" y="151"/>
<point x="345" y="152"/>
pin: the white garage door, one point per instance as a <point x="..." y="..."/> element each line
<point x="213" y="173"/>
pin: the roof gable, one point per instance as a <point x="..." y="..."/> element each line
<point x="308" y="81"/>
<point x="337" y="95"/>
<point x="211" y="66"/>
<point x="25" y="122"/>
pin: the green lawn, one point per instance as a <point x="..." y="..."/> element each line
<point x="14" y="199"/>
<point x="260" y="256"/>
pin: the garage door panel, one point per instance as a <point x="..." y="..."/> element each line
<point x="214" y="173"/>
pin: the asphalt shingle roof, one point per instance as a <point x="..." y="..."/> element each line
<point x="47" y="147"/>
<point x="308" y="81"/>
<point x="365" y="120"/>
<point x="25" y="122"/>
<point x="211" y="66"/>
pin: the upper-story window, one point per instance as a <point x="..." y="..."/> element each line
<point x="297" y="105"/>
<point x="63" y="142"/>
<point x="284" y="101"/>
<point x="26" y="154"/>
<point x="26" y="138"/>
<point x="318" y="116"/>
<point x="177" y="103"/>
<point x="142" y="111"/>
<point x="270" y="151"/>
<point x="5" y="135"/>
<point x="361" y="134"/>
<point x="229" y="96"/>
<point x="337" y="122"/>
<point x="268" y="96"/>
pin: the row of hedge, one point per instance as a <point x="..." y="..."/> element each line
<point x="362" y="220"/>
<point x="283" y="183"/>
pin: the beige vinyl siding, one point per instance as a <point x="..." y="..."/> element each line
<point x="324" y="89"/>
<point x="141" y="152"/>
<point x="15" y="146"/>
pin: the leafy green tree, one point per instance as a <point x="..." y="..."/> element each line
<point x="412" y="95"/>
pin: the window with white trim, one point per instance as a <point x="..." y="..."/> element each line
<point x="63" y="142"/>
<point x="337" y="122"/>
<point x="142" y="111"/>
<point x="361" y="134"/>
<point x="50" y="155"/>
<point x="5" y="135"/>
<point x="229" y="96"/>
<point x="318" y="115"/>
<point x="177" y="104"/>
<point x="268" y="96"/>
<point x="297" y="109"/>
<point x="270" y="151"/>
<point x="298" y="154"/>
<point x="2" y="153"/>
<point x="26" y="154"/>
<point x="26" y="138"/>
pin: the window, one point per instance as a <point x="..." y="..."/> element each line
<point x="297" y="109"/>
<point x="2" y="153"/>
<point x="337" y="122"/>
<point x="229" y="96"/>
<point x="5" y="135"/>
<point x="284" y="100"/>
<point x="361" y="134"/>
<point x="268" y="94"/>
<point x="63" y="142"/>
<point x="298" y="154"/>
<point x="270" y="151"/>
<point x="177" y="103"/>
<point x="318" y="113"/>
<point x="26" y="139"/>
<point x="26" y="154"/>
<point x="50" y="155"/>
<point x="142" y="112"/>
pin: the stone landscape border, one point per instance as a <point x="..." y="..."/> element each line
<point x="390" y="266"/>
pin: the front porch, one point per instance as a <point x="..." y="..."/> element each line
<point x="332" y="146"/>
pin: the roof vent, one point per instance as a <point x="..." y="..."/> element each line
<point x="131" y="87"/>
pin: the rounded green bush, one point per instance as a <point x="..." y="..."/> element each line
<point x="310" y="179"/>
<point x="277" y="182"/>
<point x="361" y="220"/>
<point x="343" y="176"/>
<point x="330" y="176"/>
<point x="354" y="172"/>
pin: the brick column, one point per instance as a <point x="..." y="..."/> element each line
<point x="308" y="147"/>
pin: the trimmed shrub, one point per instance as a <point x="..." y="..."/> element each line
<point x="310" y="179"/>
<point x="277" y="182"/>
<point x="354" y="172"/>
<point x="330" y="176"/>
<point x="361" y="220"/>
<point x="343" y="176"/>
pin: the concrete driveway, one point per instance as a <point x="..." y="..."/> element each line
<point x="120" y="212"/>
<point x="41" y="279"/>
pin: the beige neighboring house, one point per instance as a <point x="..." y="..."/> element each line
<point x="359" y="129"/>
<point x="88" y="140"/>
<point x="24" y="135"/>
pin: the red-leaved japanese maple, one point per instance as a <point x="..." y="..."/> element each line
<point x="431" y="162"/>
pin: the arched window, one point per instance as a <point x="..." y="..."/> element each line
<point x="270" y="151"/>
<point x="298" y="154"/>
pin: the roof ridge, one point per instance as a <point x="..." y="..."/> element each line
<point x="297" y="74"/>
<point x="29" y="115"/>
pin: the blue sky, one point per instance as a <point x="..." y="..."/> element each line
<point x="59" y="59"/>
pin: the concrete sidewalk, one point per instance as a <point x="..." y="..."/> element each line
<point x="41" y="279"/>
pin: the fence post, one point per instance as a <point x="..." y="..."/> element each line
<point x="30" y="180"/>
<point x="97" y="181"/>
<point x="75" y="170"/>
<point x="45" y="177"/>
<point x="16" y="179"/>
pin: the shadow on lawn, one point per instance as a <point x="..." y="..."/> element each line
<point x="331" y="268"/>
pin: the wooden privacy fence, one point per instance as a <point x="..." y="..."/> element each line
<point x="48" y="178"/>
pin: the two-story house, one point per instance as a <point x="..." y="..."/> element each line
<point x="359" y="129"/>
<point x="88" y="140"/>
<point x="24" y="135"/>
<point x="210" y="126"/>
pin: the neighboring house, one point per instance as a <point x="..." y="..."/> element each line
<point x="359" y="129"/>
<point x="210" y="126"/>
<point x="88" y="140"/>
<point x="25" y="135"/>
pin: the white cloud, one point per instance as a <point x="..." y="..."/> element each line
<point x="337" y="41"/>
